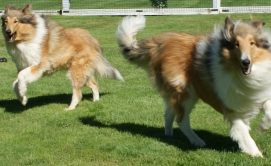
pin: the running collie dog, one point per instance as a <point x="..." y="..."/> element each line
<point x="229" y="70"/>
<point x="40" y="46"/>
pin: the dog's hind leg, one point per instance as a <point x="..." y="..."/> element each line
<point x="182" y="103"/>
<point x="169" y="117"/>
<point x="266" y="120"/>
<point x="184" y="123"/>
<point x="240" y="132"/>
<point x="76" y="97"/>
<point x="93" y="85"/>
<point x="78" y="80"/>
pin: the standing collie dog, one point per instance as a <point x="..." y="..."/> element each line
<point x="228" y="70"/>
<point x="39" y="46"/>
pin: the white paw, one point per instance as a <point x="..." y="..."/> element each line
<point x="255" y="154"/>
<point x="251" y="149"/>
<point x="69" y="108"/>
<point x="24" y="100"/>
<point x="95" y="99"/>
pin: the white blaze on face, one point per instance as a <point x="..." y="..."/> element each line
<point x="11" y="24"/>
<point x="245" y="45"/>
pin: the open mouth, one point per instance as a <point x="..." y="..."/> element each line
<point x="246" y="70"/>
<point x="12" y="37"/>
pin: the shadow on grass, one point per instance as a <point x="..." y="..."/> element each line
<point x="179" y="140"/>
<point x="14" y="106"/>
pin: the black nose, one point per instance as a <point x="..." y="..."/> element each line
<point x="8" y="31"/>
<point x="246" y="62"/>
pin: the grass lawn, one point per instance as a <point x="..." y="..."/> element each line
<point x="125" y="127"/>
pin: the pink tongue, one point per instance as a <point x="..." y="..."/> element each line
<point x="247" y="70"/>
<point x="12" y="37"/>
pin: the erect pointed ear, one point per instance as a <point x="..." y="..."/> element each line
<point x="228" y="28"/>
<point x="26" y="9"/>
<point x="258" y="24"/>
<point x="8" y="6"/>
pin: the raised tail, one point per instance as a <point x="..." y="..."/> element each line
<point x="126" y="36"/>
<point x="105" y="69"/>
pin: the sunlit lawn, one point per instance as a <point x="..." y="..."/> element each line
<point x="125" y="127"/>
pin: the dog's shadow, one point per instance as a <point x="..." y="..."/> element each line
<point x="14" y="106"/>
<point x="179" y="140"/>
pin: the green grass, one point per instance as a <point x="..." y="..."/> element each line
<point x="36" y="4"/>
<point x="124" y="4"/>
<point x="125" y="127"/>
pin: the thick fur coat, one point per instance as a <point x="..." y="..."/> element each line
<point x="40" y="46"/>
<point x="228" y="70"/>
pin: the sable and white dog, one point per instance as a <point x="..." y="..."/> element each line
<point x="40" y="46"/>
<point x="229" y="70"/>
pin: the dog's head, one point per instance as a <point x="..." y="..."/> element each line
<point x="16" y="22"/>
<point x="244" y="40"/>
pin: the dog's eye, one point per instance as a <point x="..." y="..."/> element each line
<point x="15" y="21"/>
<point x="6" y="21"/>
<point x="252" y="43"/>
<point x="237" y="44"/>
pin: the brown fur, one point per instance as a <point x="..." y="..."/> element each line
<point x="173" y="58"/>
<point x="168" y="58"/>
<point x="216" y="69"/>
<point x="72" y="49"/>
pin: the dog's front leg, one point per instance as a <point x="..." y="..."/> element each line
<point x="16" y="90"/>
<point x="240" y="133"/>
<point x="26" y="76"/>
<point x="266" y="120"/>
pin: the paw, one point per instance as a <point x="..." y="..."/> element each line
<point x="169" y="132"/>
<point x="198" y="143"/>
<point x="255" y="154"/>
<point x="95" y="99"/>
<point x="251" y="149"/>
<point x="69" y="108"/>
<point x="24" y="100"/>
<point x="259" y="154"/>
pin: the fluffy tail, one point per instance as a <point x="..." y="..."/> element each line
<point x="105" y="69"/>
<point x="126" y="35"/>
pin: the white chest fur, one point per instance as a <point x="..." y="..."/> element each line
<point x="244" y="93"/>
<point x="27" y="53"/>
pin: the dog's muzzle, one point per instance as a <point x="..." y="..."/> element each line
<point x="246" y="66"/>
<point x="8" y="32"/>
<point x="11" y="35"/>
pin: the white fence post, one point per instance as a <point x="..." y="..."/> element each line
<point x="216" y="5"/>
<point x="65" y="6"/>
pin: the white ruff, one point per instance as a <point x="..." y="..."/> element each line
<point x="241" y="93"/>
<point x="27" y="53"/>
